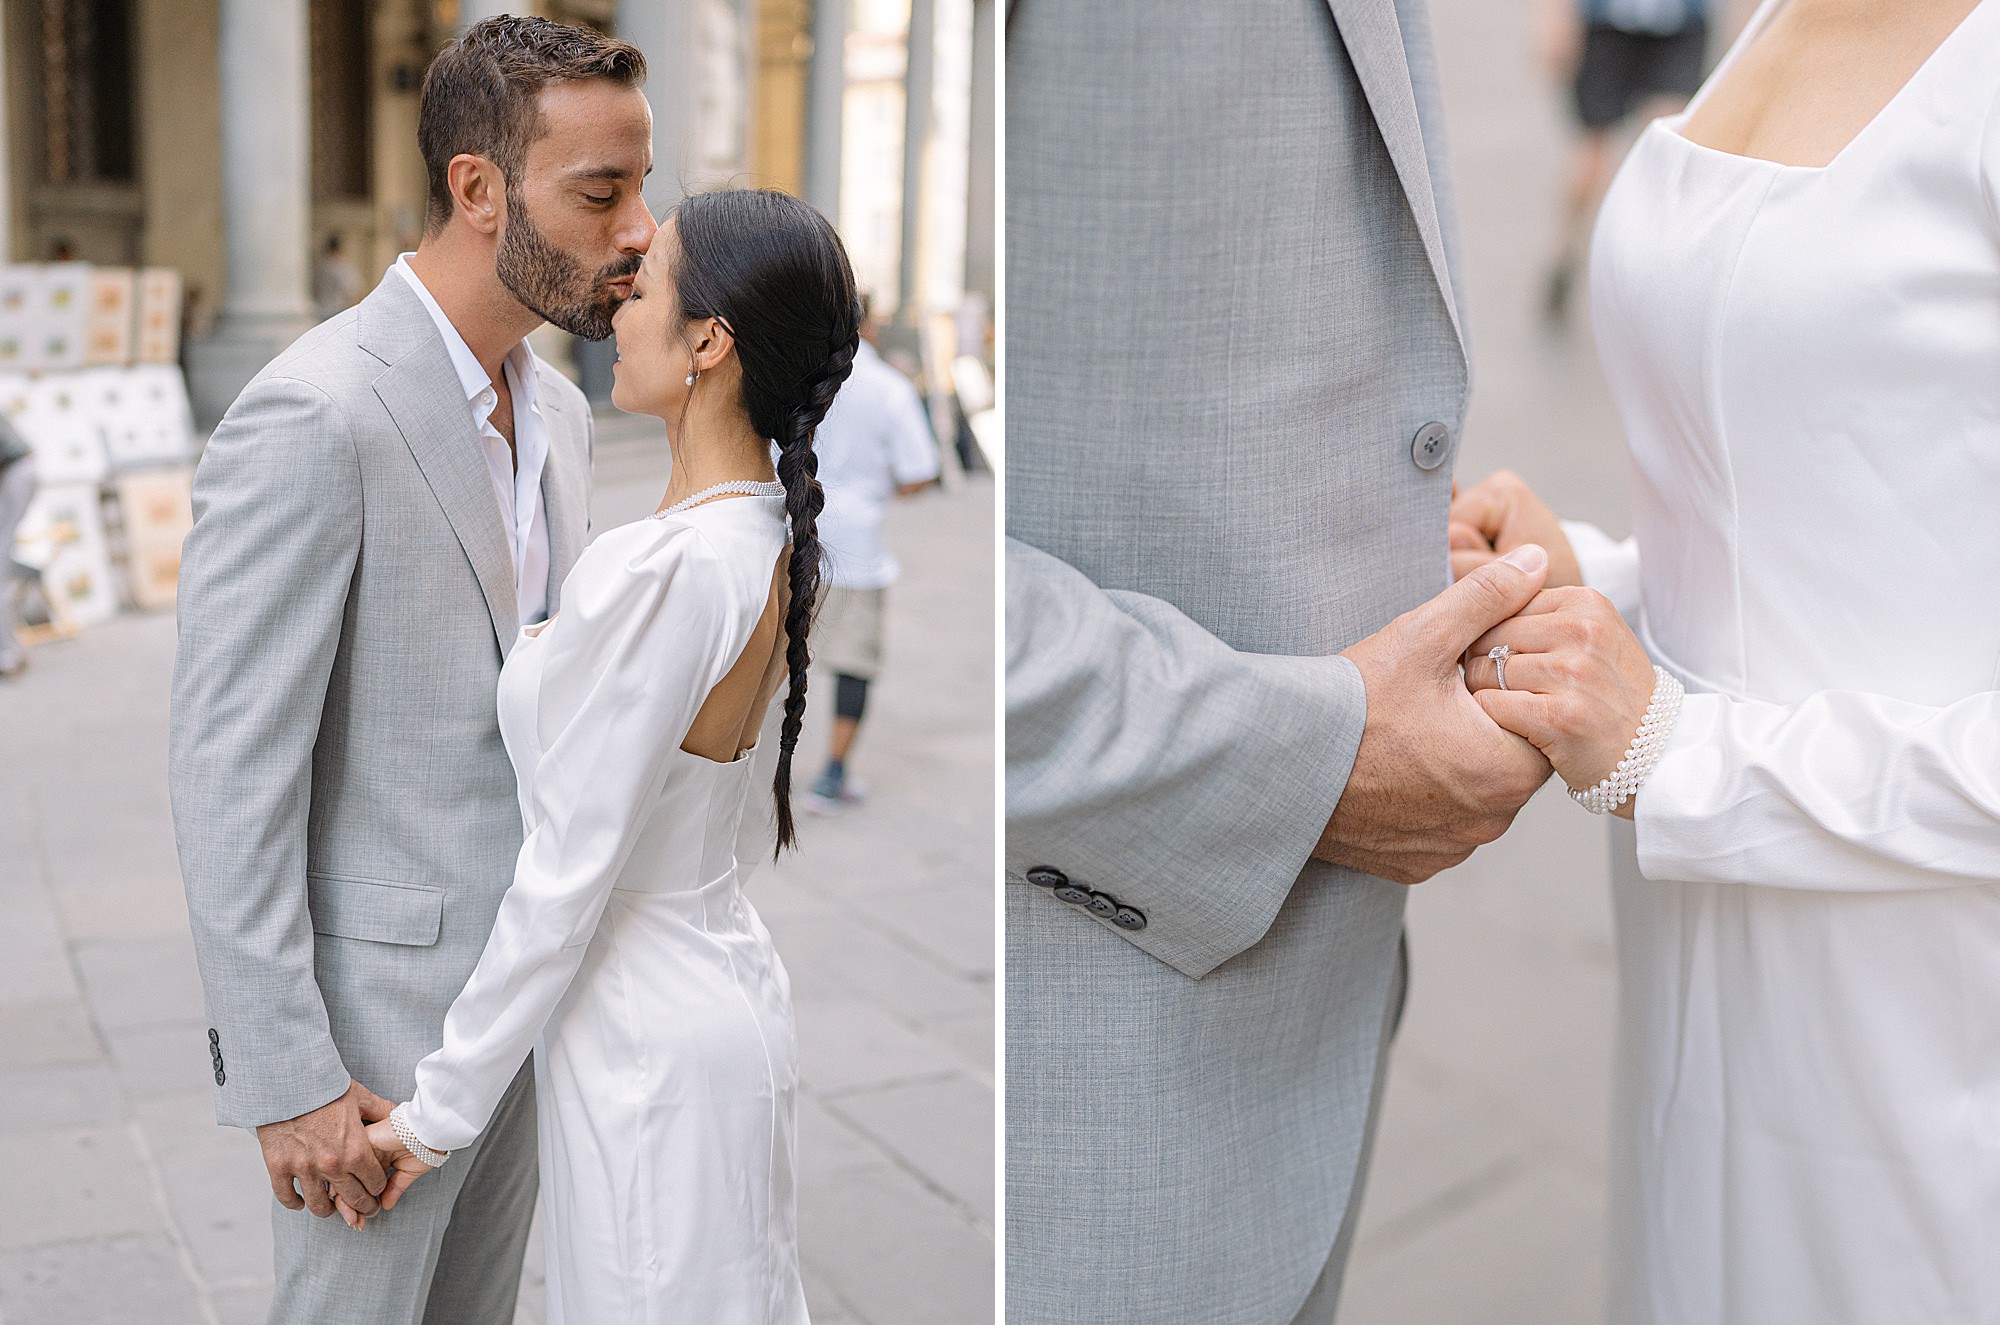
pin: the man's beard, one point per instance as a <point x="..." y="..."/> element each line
<point x="552" y="284"/>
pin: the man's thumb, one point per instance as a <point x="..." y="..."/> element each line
<point x="1483" y="599"/>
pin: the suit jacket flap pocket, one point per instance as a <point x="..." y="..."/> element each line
<point x="372" y="909"/>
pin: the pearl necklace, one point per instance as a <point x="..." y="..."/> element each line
<point x="747" y="487"/>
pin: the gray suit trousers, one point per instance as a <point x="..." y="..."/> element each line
<point x="448" y="1254"/>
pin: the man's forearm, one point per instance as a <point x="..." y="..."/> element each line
<point x="1159" y="766"/>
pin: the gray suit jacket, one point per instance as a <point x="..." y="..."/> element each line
<point x="344" y="805"/>
<point x="1231" y="318"/>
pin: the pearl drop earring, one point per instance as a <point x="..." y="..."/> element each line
<point x="690" y="378"/>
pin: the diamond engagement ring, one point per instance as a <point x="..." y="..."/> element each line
<point x="1500" y="653"/>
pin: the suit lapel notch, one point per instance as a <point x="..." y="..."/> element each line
<point x="1373" y="34"/>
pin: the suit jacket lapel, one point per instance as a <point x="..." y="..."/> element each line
<point x="422" y="393"/>
<point x="1375" y="43"/>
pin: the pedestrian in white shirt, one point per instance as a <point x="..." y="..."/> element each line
<point x="874" y="445"/>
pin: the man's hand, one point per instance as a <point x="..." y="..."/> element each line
<point x="403" y="1168"/>
<point x="1500" y="513"/>
<point x="323" y="1154"/>
<point x="1435" y="777"/>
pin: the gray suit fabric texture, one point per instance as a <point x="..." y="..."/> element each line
<point x="1230" y="313"/>
<point x="344" y="806"/>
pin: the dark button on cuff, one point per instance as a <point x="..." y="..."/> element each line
<point x="1129" y="919"/>
<point x="213" y="1038"/>
<point x="220" y="1076"/>
<point x="1072" y="894"/>
<point x="1103" y="904"/>
<point x="1044" y="877"/>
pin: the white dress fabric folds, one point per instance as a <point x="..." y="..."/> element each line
<point x="625" y="953"/>
<point x="1807" y="361"/>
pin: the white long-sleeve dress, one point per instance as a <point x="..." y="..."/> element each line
<point x="1807" y="362"/>
<point x="625" y="953"/>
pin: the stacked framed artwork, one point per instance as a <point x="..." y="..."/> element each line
<point x="89" y="376"/>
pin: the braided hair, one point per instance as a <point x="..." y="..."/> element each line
<point x="773" y="271"/>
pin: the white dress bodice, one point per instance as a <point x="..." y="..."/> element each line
<point x="1807" y="366"/>
<point x="1807" y="362"/>
<point x="625" y="953"/>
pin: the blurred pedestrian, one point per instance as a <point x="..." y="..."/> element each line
<point x="17" y="489"/>
<point x="336" y="280"/>
<point x="1618" y="56"/>
<point x="875" y="444"/>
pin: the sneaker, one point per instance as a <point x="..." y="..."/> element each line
<point x="832" y="794"/>
<point x="827" y="794"/>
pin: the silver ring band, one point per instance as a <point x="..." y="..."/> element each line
<point x="1500" y="653"/>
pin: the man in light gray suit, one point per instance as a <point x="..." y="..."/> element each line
<point x="1236" y="377"/>
<point x="375" y="518"/>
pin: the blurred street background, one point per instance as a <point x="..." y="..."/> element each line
<point x="185" y="186"/>
<point x="1486" y="1201"/>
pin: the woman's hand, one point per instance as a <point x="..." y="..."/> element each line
<point x="1497" y="515"/>
<point x="402" y="1167"/>
<point x="1578" y="682"/>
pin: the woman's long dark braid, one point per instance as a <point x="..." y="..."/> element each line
<point x="774" y="271"/>
<point x="798" y="470"/>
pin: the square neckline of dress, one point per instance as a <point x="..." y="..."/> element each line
<point x="1759" y="23"/>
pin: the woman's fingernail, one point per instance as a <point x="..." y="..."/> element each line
<point x="1527" y="558"/>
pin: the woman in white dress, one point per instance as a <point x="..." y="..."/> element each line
<point x="625" y="954"/>
<point x="1796" y="291"/>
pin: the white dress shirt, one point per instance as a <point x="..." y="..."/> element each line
<point x="874" y="437"/>
<point x="516" y="474"/>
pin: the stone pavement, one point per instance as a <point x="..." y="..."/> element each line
<point x="1486" y="1203"/>
<point x="129" y="1205"/>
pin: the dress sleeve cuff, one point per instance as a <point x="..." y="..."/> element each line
<point x="437" y="1128"/>
<point x="1679" y="831"/>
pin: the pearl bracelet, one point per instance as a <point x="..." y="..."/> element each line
<point x="1643" y="753"/>
<point x="432" y="1158"/>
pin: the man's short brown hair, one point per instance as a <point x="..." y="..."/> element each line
<point x="482" y="93"/>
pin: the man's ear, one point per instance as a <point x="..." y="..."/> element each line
<point x="478" y="192"/>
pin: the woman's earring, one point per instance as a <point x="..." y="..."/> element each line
<point x="691" y="377"/>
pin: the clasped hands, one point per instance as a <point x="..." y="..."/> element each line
<point x="1447" y="758"/>
<point x="342" y="1158"/>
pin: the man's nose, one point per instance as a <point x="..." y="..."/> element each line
<point x="637" y="226"/>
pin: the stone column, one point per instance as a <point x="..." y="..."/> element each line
<point x="664" y="31"/>
<point x="917" y="119"/>
<point x="982" y="207"/>
<point x="946" y="176"/>
<point x="6" y="154"/>
<point x="266" y="198"/>
<point x="826" y="101"/>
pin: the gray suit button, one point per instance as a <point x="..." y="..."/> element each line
<point x="220" y="1077"/>
<point x="1103" y="904"/>
<point x="1072" y="894"/>
<point x="213" y="1038"/>
<point x="1432" y="444"/>
<point x="1127" y="918"/>
<point x="1044" y="877"/>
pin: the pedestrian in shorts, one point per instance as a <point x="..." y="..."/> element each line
<point x="874" y="445"/>
<point x="1619" y="56"/>
<point x="17" y="489"/>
